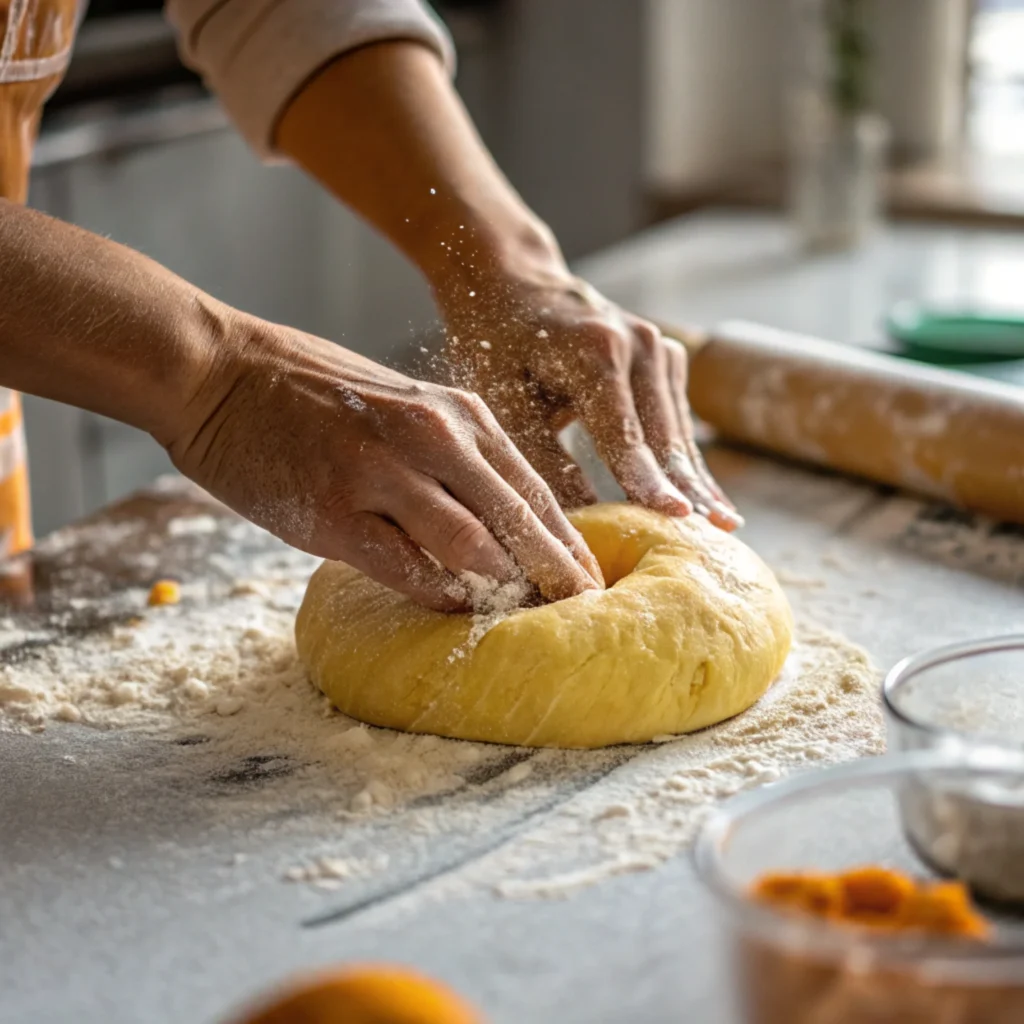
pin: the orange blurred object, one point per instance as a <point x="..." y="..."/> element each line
<point x="165" y="592"/>
<point x="876" y="897"/>
<point x="366" y="995"/>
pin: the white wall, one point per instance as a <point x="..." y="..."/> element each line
<point x="718" y="72"/>
<point x="713" y="83"/>
<point x="568" y="102"/>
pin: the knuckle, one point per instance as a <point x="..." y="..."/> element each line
<point x="648" y="339"/>
<point x="339" y="500"/>
<point x="459" y="405"/>
<point x="516" y="517"/>
<point x="474" y="405"/>
<point x="465" y="538"/>
<point x="675" y="348"/>
<point x="632" y="434"/>
<point x="605" y="347"/>
<point x="538" y="496"/>
<point x="419" y="390"/>
<point x="436" y="420"/>
<point x="677" y="355"/>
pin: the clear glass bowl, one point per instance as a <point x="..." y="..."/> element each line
<point x="971" y="692"/>
<point x="792" y="969"/>
<point x="968" y="696"/>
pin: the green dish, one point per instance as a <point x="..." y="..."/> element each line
<point x="955" y="337"/>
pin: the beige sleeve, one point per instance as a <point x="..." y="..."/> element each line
<point x="257" y="54"/>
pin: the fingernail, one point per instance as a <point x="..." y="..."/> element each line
<point x="669" y="490"/>
<point x="683" y="507"/>
<point x="727" y="519"/>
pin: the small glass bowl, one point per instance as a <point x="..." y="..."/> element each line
<point x="970" y="692"/>
<point x="792" y="969"/>
<point x="968" y="696"/>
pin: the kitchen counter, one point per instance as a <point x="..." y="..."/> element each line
<point x="126" y="894"/>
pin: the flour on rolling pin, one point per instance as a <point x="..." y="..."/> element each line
<point x="934" y="431"/>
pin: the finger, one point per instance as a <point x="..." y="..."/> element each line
<point x="702" y="469"/>
<point x="652" y="393"/>
<point x="678" y="375"/>
<point x="498" y="449"/>
<point x="385" y="554"/>
<point x="548" y="561"/>
<point x="686" y="460"/>
<point x="531" y="425"/>
<point x="542" y="449"/>
<point x="520" y="475"/>
<point x="659" y="416"/>
<point x="607" y="411"/>
<point x="435" y="521"/>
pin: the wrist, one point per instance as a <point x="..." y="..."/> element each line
<point x="472" y="251"/>
<point x="210" y="350"/>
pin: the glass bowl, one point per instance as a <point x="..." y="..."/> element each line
<point x="795" y="969"/>
<point x="969" y="692"/>
<point x="968" y="695"/>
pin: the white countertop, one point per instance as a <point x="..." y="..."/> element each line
<point x="724" y="266"/>
<point x="163" y="939"/>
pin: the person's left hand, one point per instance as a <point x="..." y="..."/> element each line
<point x="544" y="348"/>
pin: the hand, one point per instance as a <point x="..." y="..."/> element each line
<point x="538" y="345"/>
<point x="412" y="483"/>
<point x="544" y="349"/>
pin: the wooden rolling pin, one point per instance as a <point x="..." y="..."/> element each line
<point x="943" y="434"/>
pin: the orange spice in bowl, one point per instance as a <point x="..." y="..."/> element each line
<point x="808" y="986"/>
<point x="877" y="898"/>
<point x="859" y="943"/>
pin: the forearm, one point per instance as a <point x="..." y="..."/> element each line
<point x="91" y="323"/>
<point x="383" y="128"/>
<point x="385" y="131"/>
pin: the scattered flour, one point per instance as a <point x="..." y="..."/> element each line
<point x="492" y="602"/>
<point x="225" y="683"/>
<point x="792" y="579"/>
<point x="191" y="526"/>
<point x="102" y="535"/>
<point x="823" y="710"/>
<point x="215" y="682"/>
<point x="332" y="872"/>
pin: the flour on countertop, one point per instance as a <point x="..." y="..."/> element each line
<point x="215" y="684"/>
<point x="824" y="709"/>
<point x="332" y="872"/>
<point x="792" y="579"/>
<point x="190" y="526"/>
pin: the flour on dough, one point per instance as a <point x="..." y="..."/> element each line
<point x="691" y="630"/>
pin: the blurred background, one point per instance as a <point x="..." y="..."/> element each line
<point x="608" y="115"/>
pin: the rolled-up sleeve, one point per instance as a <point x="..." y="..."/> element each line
<point x="257" y="54"/>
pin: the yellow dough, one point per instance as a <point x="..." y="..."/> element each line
<point x="691" y="630"/>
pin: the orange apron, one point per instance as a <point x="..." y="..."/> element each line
<point x="35" y="44"/>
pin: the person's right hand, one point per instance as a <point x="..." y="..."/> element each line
<point x="409" y="482"/>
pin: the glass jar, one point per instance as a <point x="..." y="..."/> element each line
<point x="795" y="969"/>
<point x="837" y="144"/>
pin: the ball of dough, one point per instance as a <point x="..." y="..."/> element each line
<point x="691" y="630"/>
